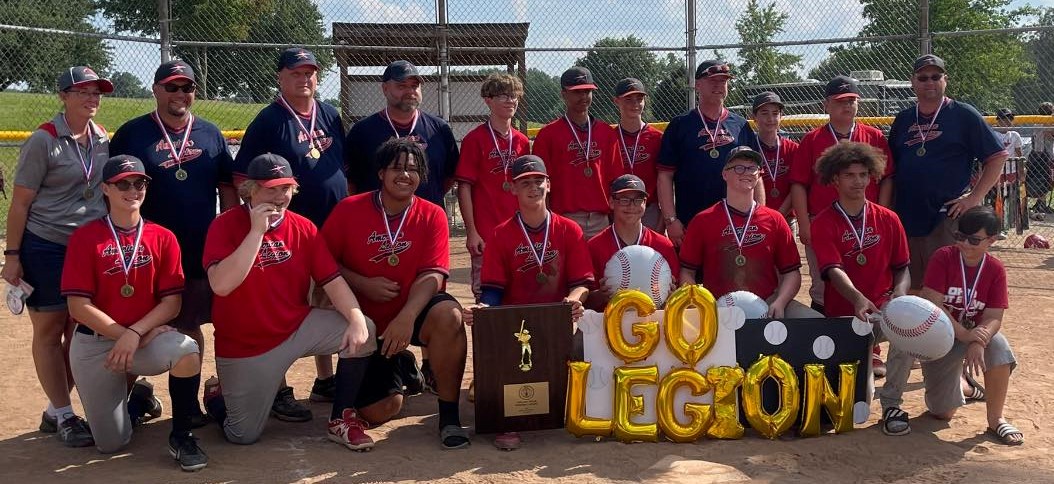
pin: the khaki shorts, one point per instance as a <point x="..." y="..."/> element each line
<point x="922" y="248"/>
<point x="592" y="223"/>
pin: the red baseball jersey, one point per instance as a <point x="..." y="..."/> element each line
<point x="776" y="175"/>
<point x="357" y="237"/>
<point x="710" y="248"/>
<point x="989" y="290"/>
<point x="602" y="248"/>
<point x="577" y="185"/>
<point x="510" y="266"/>
<point x="482" y="165"/>
<point x="644" y="158"/>
<point x="93" y="269"/>
<point x="272" y="301"/>
<point x="885" y="250"/>
<point x="812" y="146"/>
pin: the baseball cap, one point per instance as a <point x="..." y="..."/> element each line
<point x="528" y="165"/>
<point x="576" y="79"/>
<point x="400" y="71"/>
<point x="270" y="170"/>
<point x="629" y="86"/>
<point x="123" y="166"/>
<point x="82" y="75"/>
<point x="841" y="87"/>
<point x="744" y="153"/>
<point x="294" y="57"/>
<point x="713" y="68"/>
<point x="173" y="70"/>
<point x="628" y="183"/>
<point x="1004" y="113"/>
<point x="928" y="60"/>
<point x="767" y="97"/>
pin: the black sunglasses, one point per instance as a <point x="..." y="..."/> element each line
<point x="972" y="239"/>
<point x="186" y="88"/>
<point x="934" y="77"/>
<point x="125" y="185"/>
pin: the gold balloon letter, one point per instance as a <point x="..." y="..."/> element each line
<point x="673" y="323"/>
<point x="775" y="424"/>
<point x="577" y="421"/>
<point x="627" y="404"/>
<point x="818" y="392"/>
<point x="647" y="332"/>
<point x="724" y="380"/>
<point x="699" y="414"/>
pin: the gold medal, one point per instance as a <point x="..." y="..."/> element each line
<point x="541" y="277"/>
<point x="314" y="153"/>
<point x="127" y="290"/>
<point x="181" y="174"/>
<point x="506" y="186"/>
<point x="861" y="259"/>
<point x="921" y="151"/>
<point x="714" y="153"/>
<point x="588" y="171"/>
<point x="393" y="260"/>
<point x="89" y="193"/>
<point x="775" y="192"/>
<point x="741" y="260"/>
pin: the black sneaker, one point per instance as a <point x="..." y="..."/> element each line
<point x="74" y="432"/>
<point x="143" y="405"/>
<point x="285" y="407"/>
<point x="199" y="420"/>
<point x="186" y="451"/>
<point x="48" y="424"/>
<point x="324" y="389"/>
<point x="406" y="367"/>
<point x="430" y="378"/>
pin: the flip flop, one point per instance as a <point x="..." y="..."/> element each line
<point x="976" y="392"/>
<point x="1005" y="433"/>
<point x="454" y="437"/>
<point x="895" y="415"/>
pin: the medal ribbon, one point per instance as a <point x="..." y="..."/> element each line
<point x="631" y="159"/>
<point x="618" y="241"/>
<point x="834" y="135"/>
<point x="717" y="128"/>
<point x="126" y="266"/>
<point x="735" y="233"/>
<point x="589" y="137"/>
<point x="504" y="156"/>
<point x="968" y="292"/>
<point x="863" y="224"/>
<point x="924" y="136"/>
<point x="538" y="257"/>
<point x="89" y="165"/>
<point x="413" y="124"/>
<point x="772" y="171"/>
<point x="314" y="111"/>
<point x="388" y="227"/>
<point x="177" y="156"/>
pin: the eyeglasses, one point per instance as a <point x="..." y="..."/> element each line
<point x="972" y="239"/>
<point x="934" y="77"/>
<point x="125" y="185"/>
<point x="186" y="88"/>
<point x="506" y="98"/>
<point x="628" y="202"/>
<point x="86" y="94"/>
<point x="744" y="169"/>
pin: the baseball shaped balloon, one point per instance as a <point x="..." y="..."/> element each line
<point x="918" y="327"/>
<point x="642" y="268"/>
<point x="753" y="306"/>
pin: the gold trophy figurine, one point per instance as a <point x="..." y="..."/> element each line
<point x="524" y="337"/>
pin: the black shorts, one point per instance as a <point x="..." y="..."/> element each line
<point x="196" y="308"/>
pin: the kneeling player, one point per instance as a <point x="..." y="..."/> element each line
<point x="123" y="281"/>
<point x="260" y="259"/>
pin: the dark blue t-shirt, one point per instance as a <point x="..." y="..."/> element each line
<point x="322" y="181"/>
<point x="686" y="149"/>
<point x="185" y="207"/>
<point x="925" y="183"/>
<point x="431" y="132"/>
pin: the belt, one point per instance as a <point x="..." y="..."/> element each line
<point x="82" y="329"/>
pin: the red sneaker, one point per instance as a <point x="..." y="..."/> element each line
<point x="507" y="441"/>
<point x="212" y="390"/>
<point x="350" y="431"/>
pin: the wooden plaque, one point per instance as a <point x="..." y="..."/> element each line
<point x="508" y="398"/>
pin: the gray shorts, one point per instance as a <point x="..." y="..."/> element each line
<point x="250" y="384"/>
<point x="104" y="393"/>
<point x="795" y="309"/>
<point x="922" y="248"/>
<point x="196" y="308"/>
<point x="592" y="223"/>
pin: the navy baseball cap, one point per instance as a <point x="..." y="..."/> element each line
<point x="842" y="87"/>
<point x="576" y="79"/>
<point x="1004" y="113"/>
<point x="270" y="170"/>
<point x="928" y="60"/>
<point x="400" y="71"/>
<point x="713" y="68"/>
<point x="123" y="166"/>
<point x="628" y="183"/>
<point x="528" y="165"/>
<point x="767" y="97"/>
<point x="173" y="70"/>
<point x="81" y="76"/>
<point x="744" y="153"/>
<point x="294" y="57"/>
<point x="629" y="86"/>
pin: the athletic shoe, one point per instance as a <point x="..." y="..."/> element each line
<point x="429" y="377"/>
<point x="74" y="432"/>
<point x="211" y="390"/>
<point x="199" y="420"/>
<point x="507" y="441"/>
<point x="324" y="390"/>
<point x="48" y="424"/>
<point x="878" y="368"/>
<point x="186" y="451"/>
<point x="406" y="367"/>
<point x="286" y="408"/>
<point x="142" y="404"/>
<point x="350" y="431"/>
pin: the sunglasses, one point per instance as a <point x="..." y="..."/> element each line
<point x="628" y="202"/>
<point x="744" y="169"/>
<point x="972" y="239"/>
<point x="714" y="70"/>
<point x="934" y="77"/>
<point x="186" y="88"/>
<point x="125" y="185"/>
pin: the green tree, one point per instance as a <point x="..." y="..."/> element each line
<point x="542" y="95"/>
<point x="36" y="58"/>
<point x="608" y="67"/>
<point x="764" y="65"/>
<point x="669" y="97"/>
<point x="126" y="84"/>
<point x="1039" y="47"/>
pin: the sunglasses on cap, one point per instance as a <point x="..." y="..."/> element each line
<point x="934" y="77"/>
<point x="186" y="88"/>
<point x="972" y="239"/>
<point x="125" y="185"/>
<point x="714" y="70"/>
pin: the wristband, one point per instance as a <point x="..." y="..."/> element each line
<point x="140" y="335"/>
<point x="11" y="252"/>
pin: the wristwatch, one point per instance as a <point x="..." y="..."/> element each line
<point x="670" y="219"/>
<point x="11" y="252"/>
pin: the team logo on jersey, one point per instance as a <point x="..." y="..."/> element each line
<point x="782" y="170"/>
<point x="722" y="138"/>
<point x="416" y="139"/>
<point x="871" y="239"/>
<point x="272" y="252"/>
<point x="953" y="301"/>
<point x="920" y="134"/>
<point x="753" y="237"/>
<point x="579" y="155"/>
<point x="322" y="140"/>
<point x="530" y="264"/>
<point x="190" y="153"/>
<point x="384" y="247"/>
<point x="497" y="155"/>
<point x="110" y="251"/>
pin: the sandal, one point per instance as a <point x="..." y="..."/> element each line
<point x="895" y="422"/>
<point x="1007" y="434"/>
<point x="454" y="437"/>
<point x="976" y="392"/>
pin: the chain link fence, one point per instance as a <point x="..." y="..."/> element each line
<point x="1000" y="55"/>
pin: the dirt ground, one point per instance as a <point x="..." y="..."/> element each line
<point x="407" y="448"/>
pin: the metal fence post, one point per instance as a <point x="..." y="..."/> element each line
<point x="690" y="50"/>
<point x="925" y="43"/>
<point x="166" y="36"/>
<point x="444" y="60"/>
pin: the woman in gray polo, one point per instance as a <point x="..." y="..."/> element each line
<point x="56" y="190"/>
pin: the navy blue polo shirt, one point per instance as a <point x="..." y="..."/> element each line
<point x="959" y="137"/>
<point x="435" y="136"/>
<point x="322" y="181"/>
<point x="685" y="150"/>
<point x="185" y="207"/>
